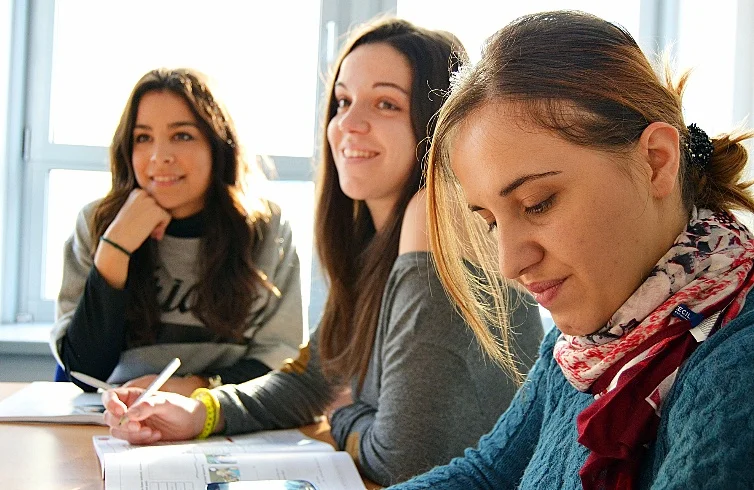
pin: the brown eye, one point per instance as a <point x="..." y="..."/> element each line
<point x="541" y="207"/>
<point x="343" y="103"/>
<point x="388" y="106"/>
<point x="183" y="137"/>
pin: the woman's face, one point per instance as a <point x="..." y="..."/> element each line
<point x="172" y="158"/>
<point x="371" y="136"/>
<point x="577" y="227"/>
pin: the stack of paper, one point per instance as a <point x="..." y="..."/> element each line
<point x="43" y="401"/>
<point x="272" y="455"/>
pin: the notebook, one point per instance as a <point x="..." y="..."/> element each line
<point x="191" y="465"/>
<point x="46" y="401"/>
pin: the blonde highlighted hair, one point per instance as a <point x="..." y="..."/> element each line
<point x="597" y="69"/>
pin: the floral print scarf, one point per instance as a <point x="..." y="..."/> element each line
<point x="698" y="286"/>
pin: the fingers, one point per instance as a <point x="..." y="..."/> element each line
<point x="144" y="409"/>
<point x="116" y="404"/>
<point x="140" y="217"/>
<point x="131" y="421"/>
<point x="118" y="400"/>
<point x="159" y="230"/>
<point x="142" y="435"/>
<point x="119" y="406"/>
<point x="114" y="407"/>
<point x="162" y="416"/>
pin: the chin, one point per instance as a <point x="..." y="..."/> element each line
<point x="574" y="327"/>
<point x="353" y="193"/>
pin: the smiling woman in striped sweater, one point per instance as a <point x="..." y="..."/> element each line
<point x="176" y="261"/>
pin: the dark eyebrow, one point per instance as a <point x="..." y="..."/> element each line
<point x="171" y="125"/>
<point x="523" y="180"/>
<point x="377" y="85"/>
<point x="390" y="84"/>
<point x="505" y="191"/>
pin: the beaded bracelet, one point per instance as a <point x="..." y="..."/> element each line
<point x="113" y="244"/>
<point x="212" y="404"/>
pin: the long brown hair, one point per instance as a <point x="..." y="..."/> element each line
<point x="228" y="280"/>
<point x="547" y="65"/>
<point x="356" y="258"/>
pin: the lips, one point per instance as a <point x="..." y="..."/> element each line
<point x="545" y="292"/>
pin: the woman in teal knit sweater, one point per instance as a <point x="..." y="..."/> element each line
<point x="616" y="215"/>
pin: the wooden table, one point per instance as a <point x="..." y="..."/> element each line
<point x="62" y="457"/>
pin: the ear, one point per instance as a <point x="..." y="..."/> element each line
<point x="659" y="147"/>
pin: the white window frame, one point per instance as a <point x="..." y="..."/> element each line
<point x="28" y="157"/>
<point x="33" y="156"/>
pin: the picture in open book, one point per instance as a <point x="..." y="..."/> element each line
<point x="191" y="465"/>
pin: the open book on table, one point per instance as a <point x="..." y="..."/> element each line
<point x="43" y="401"/>
<point x="190" y="465"/>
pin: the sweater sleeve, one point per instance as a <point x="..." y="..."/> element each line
<point x="291" y="397"/>
<point x="432" y="402"/>
<point x="90" y="326"/>
<point x="415" y="427"/>
<point x="276" y="327"/>
<point x="708" y="436"/>
<point x="241" y="371"/>
<point x="501" y="456"/>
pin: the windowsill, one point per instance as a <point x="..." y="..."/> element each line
<point x="25" y="338"/>
<point x="34" y="338"/>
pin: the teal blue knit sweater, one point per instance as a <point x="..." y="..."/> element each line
<point x="705" y="439"/>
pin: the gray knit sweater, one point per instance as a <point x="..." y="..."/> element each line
<point x="90" y="328"/>
<point x="428" y="394"/>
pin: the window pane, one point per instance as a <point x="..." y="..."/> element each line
<point x="70" y="190"/>
<point x="296" y="199"/>
<point x="262" y="57"/>
<point x="707" y="45"/>
<point x="67" y="192"/>
<point x="479" y="19"/>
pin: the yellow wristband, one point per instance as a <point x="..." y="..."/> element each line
<point x="212" y="404"/>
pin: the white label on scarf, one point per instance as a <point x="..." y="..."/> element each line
<point x="701" y="331"/>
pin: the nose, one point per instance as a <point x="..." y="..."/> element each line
<point x="517" y="251"/>
<point x="354" y="120"/>
<point x="162" y="153"/>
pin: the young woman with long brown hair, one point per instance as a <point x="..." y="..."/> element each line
<point x="392" y="362"/>
<point x="176" y="260"/>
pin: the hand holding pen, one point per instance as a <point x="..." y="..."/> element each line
<point x="148" y="419"/>
<point x="155" y="386"/>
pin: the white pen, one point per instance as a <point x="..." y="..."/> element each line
<point x="155" y="385"/>
<point x="91" y="381"/>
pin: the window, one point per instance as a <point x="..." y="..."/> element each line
<point x="72" y="67"/>
<point x="479" y="19"/>
<point x="267" y="81"/>
<point x="716" y="42"/>
<point x="74" y="62"/>
<point x="706" y="43"/>
<point x="85" y="57"/>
